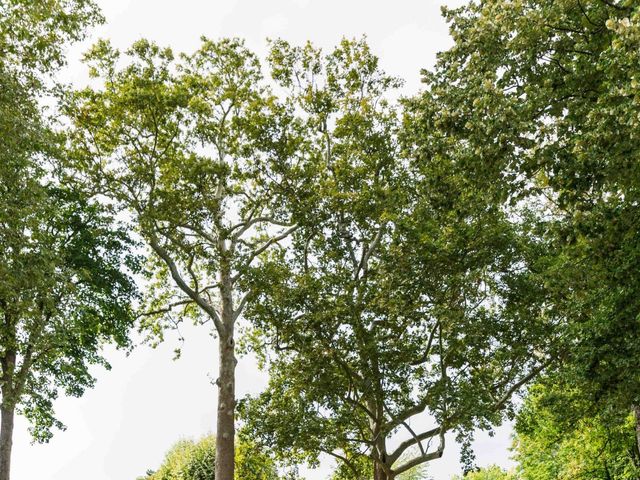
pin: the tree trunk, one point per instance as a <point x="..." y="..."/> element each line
<point x="636" y="411"/>
<point x="6" y="441"/>
<point x="225" y="437"/>
<point x="379" y="473"/>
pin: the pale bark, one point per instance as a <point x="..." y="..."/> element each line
<point x="6" y="441"/>
<point x="225" y="445"/>
<point x="379" y="473"/>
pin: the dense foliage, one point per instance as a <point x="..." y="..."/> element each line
<point x="65" y="263"/>
<point x="545" y="94"/>
<point x="404" y="292"/>
<point x="561" y="435"/>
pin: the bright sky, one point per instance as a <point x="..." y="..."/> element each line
<point x="147" y="401"/>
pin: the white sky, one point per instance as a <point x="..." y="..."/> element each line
<point x="147" y="401"/>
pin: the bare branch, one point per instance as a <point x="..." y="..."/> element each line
<point x="166" y="309"/>
<point x="395" y="455"/>
<point x="175" y="274"/>
<point x="366" y="254"/>
<point x="241" y="305"/>
<point x="425" y="457"/>
<point x="246" y="225"/>
<point x="427" y="352"/>
<point x="519" y="384"/>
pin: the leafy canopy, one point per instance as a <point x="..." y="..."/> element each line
<point x="65" y="264"/>
<point x="404" y="292"/>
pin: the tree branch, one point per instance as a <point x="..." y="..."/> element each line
<point x="264" y="247"/>
<point x="426" y="457"/>
<point x="175" y="274"/>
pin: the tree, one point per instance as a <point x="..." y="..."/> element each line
<point x="33" y="35"/>
<point x="404" y="292"/>
<point x="492" y="472"/>
<point x="196" y="152"/>
<point x="64" y="285"/>
<point x="560" y="434"/>
<point x="547" y="93"/>
<point x="189" y="460"/>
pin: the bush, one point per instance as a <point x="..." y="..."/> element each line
<point x="190" y="460"/>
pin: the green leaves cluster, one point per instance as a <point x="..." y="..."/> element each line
<point x="33" y="35"/>
<point x="561" y="434"/>
<point x="195" y="460"/>
<point x="66" y="266"/>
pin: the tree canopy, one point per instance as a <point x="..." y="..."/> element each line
<point x="405" y="291"/>
<point x="66" y="266"/>
<point x="196" y="150"/>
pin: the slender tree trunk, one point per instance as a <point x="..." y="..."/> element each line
<point x="6" y="441"/>
<point x="225" y="437"/>
<point x="636" y="411"/>
<point x="379" y="473"/>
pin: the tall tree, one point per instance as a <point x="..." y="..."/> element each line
<point x="197" y="153"/>
<point x="547" y="93"/>
<point x="64" y="289"/>
<point x="63" y="293"/>
<point x="402" y="293"/>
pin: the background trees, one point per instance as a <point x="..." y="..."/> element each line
<point x="189" y="460"/>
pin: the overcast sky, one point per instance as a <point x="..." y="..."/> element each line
<point x="147" y="401"/>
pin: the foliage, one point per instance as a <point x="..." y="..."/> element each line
<point x="65" y="264"/>
<point x="545" y="93"/>
<point x="33" y="35"/>
<point x="561" y="436"/>
<point x="189" y="460"/>
<point x="404" y="292"/>
<point x="64" y="293"/>
<point x="492" y="472"/>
